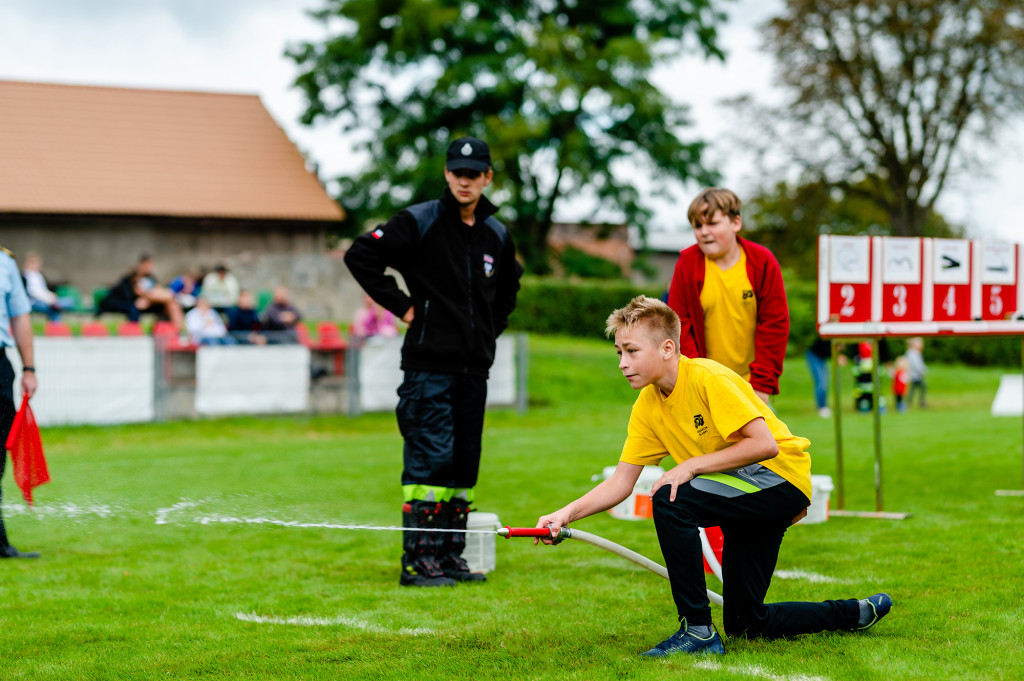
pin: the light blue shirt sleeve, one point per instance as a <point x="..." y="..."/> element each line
<point x="15" y="300"/>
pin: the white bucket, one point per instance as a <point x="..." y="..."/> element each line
<point x="821" y="493"/>
<point x="479" y="553"/>
<point x="637" y="506"/>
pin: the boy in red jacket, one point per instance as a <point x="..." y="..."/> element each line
<point x="729" y="295"/>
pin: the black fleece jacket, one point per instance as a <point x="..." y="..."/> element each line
<point x="462" y="282"/>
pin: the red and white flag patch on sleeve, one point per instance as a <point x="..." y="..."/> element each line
<point x="377" y="233"/>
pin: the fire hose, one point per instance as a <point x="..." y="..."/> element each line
<point x="507" y="532"/>
<point x="600" y="542"/>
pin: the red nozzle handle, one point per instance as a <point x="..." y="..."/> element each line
<point x="509" y="532"/>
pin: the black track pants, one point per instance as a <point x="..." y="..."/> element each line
<point x="753" y="525"/>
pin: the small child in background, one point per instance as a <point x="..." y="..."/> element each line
<point x="863" y="378"/>
<point x="916" y="370"/>
<point x="900" y="379"/>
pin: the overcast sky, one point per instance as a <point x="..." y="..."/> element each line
<point x="238" y="46"/>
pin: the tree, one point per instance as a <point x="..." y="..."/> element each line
<point x="558" y="88"/>
<point x="885" y="97"/>
<point x="787" y="219"/>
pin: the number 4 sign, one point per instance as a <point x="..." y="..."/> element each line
<point x="951" y="273"/>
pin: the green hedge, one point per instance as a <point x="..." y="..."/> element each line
<point x="572" y="308"/>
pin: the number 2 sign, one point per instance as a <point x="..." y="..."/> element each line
<point x="849" y="274"/>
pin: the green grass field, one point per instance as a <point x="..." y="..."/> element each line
<point x="118" y="596"/>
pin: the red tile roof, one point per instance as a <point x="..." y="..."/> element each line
<point x="117" y="151"/>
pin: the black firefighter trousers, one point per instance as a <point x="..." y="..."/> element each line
<point x="441" y="417"/>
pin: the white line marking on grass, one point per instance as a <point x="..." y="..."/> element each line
<point x="341" y="620"/>
<point x="755" y="671"/>
<point x="809" y="577"/>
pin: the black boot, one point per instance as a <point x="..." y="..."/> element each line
<point x="8" y="551"/>
<point x="456" y="513"/>
<point x="420" y="566"/>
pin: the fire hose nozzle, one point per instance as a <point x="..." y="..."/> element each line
<point x="540" y="532"/>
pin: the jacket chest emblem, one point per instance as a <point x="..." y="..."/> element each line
<point x="488" y="265"/>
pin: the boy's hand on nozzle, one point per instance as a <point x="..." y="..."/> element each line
<point x="554" y="523"/>
<point x="679" y="475"/>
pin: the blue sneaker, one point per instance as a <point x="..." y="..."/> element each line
<point x="682" y="642"/>
<point x="878" y="607"/>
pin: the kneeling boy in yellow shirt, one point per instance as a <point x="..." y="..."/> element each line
<point x="737" y="466"/>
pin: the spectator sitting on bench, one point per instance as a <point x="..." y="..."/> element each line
<point x="221" y="287"/>
<point x="205" y="327"/>
<point x="244" y="321"/>
<point x="138" y="292"/>
<point x="185" y="288"/>
<point x="281" y="318"/>
<point x="39" y="294"/>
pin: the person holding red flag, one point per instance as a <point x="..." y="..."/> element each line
<point x="15" y="331"/>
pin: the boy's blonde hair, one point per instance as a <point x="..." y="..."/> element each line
<point x="710" y="200"/>
<point x="660" y="321"/>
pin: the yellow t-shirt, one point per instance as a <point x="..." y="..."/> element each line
<point x="730" y="315"/>
<point x="703" y="415"/>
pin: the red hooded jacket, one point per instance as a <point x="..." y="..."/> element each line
<point x="772" y="329"/>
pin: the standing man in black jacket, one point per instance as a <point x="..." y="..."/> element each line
<point x="459" y="265"/>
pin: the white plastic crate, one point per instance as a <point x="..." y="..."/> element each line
<point x="479" y="553"/>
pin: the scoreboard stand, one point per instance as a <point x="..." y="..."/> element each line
<point x="870" y="287"/>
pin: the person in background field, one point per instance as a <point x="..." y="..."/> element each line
<point x="204" y="325"/>
<point x="900" y="378"/>
<point x="737" y="466"/>
<point x="221" y="288"/>
<point x="459" y="264"/>
<point x="40" y="296"/>
<point x="15" y="331"/>
<point x="729" y="295"/>
<point x="817" y="357"/>
<point x="916" y="370"/>
<point x="281" y="318"/>
<point x="863" y="368"/>
<point x="373" y="320"/>
<point x="244" y="322"/>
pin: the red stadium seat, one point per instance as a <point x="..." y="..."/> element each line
<point x="334" y="343"/>
<point x="330" y="337"/>
<point x="163" y="329"/>
<point x="302" y="333"/>
<point x="95" y="329"/>
<point x="57" y="329"/>
<point x="129" y="329"/>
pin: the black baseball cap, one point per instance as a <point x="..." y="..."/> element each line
<point x="468" y="153"/>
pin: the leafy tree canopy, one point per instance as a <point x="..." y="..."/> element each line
<point x="788" y="219"/>
<point x="559" y="89"/>
<point x="884" y="96"/>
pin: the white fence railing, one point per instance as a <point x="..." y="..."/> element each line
<point x="131" y="380"/>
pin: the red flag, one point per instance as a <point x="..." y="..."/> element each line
<point x="27" y="452"/>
